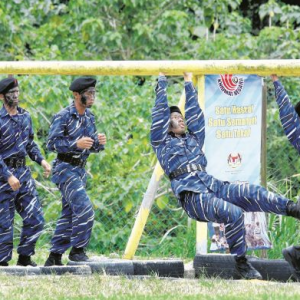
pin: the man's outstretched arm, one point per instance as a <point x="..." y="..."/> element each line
<point x="160" y="113"/>
<point x="288" y="116"/>
<point x="193" y="113"/>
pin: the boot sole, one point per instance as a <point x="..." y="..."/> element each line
<point x="287" y="256"/>
<point x="20" y="265"/>
<point x="248" y="278"/>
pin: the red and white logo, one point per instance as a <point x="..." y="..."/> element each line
<point x="234" y="160"/>
<point x="231" y="85"/>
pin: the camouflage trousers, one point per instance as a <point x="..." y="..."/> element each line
<point x="75" y="224"/>
<point x="26" y="202"/>
<point x="227" y="206"/>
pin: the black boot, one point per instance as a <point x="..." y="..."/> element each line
<point x="54" y="259"/>
<point x="78" y="254"/>
<point x="292" y="256"/>
<point x="293" y="209"/>
<point x="3" y="264"/>
<point x="25" y="260"/>
<point x="245" y="269"/>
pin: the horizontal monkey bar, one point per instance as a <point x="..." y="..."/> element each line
<point x="283" y="67"/>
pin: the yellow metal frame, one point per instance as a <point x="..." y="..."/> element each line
<point x="289" y="67"/>
<point x="284" y="67"/>
<point x="201" y="227"/>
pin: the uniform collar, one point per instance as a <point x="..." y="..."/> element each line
<point x="172" y="134"/>
<point x="4" y="113"/>
<point x="74" y="112"/>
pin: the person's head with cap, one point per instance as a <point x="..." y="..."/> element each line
<point x="177" y="123"/>
<point x="9" y="91"/>
<point x="83" y="89"/>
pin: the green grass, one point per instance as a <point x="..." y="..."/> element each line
<point x="108" y="287"/>
<point x="99" y="286"/>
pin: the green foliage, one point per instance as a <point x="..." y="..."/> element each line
<point x="144" y="30"/>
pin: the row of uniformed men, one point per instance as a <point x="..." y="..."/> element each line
<point x="73" y="136"/>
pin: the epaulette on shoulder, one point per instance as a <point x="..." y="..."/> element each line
<point x="64" y="111"/>
<point x="23" y="111"/>
<point x="89" y="113"/>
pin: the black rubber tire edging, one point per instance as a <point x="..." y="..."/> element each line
<point x="61" y="270"/>
<point x="108" y="266"/>
<point x="20" y="271"/>
<point x="162" y="268"/>
<point x="223" y="266"/>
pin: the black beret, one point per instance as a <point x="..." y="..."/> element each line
<point x="82" y="83"/>
<point x="297" y="108"/>
<point x="175" y="109"/>
<point x="8" y="84"/>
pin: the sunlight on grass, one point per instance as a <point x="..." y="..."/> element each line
<point x="108" y="287"/>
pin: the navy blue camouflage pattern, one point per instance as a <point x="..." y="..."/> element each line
<point x="288" y="116"/>
<point x="291" y="124"/>
<point x="66" y="129"/>
<point x="76" y="221"/>
<point x="16" y="140"/>
<point x="202" y="196"/>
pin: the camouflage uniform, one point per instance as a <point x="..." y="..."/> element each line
<point x="16" y="141"/>
<point x="75" y="224"/>
<point x="288" y="116"/>
<point x="202" y="196"/>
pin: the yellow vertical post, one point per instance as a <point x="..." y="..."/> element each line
<point x="146" y="205"/>
<point x="201" y="227"/>
<point x="143" y="213"/>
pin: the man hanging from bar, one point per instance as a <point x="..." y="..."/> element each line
<point x="289" y="116"/>
<point x="203" y="197"/>
<point x="73" y="136"/>
<point x="17" y="188"/>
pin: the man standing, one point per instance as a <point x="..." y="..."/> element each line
<point x="73" y="136"/>
<point x="203" y="197"/>
<point x="17" y="188"/>
<point x="289" y="116"/>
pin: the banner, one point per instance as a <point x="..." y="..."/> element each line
<point x="233" y="115"/>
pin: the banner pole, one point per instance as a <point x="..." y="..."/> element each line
<point x="263" y="170"/>
<point x="201" y="227"/>
<point x="263" y="174"/>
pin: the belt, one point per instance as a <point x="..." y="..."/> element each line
<point x="72" y="160"/>
<point x="187" y="169"/>
<point x="15" y="162"/>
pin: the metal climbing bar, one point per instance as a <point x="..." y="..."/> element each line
<point x="282" y="67"/>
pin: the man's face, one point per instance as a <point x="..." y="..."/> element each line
<point x="88" y="97"/>
<point x="177" y="123"/>
<point x="11" y="98"/>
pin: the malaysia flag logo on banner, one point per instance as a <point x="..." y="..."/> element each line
<point x="231" y="85"/>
